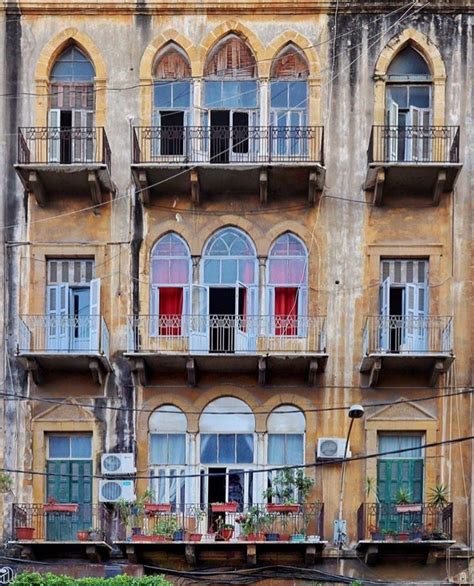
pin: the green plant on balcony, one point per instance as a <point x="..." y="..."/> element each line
<point x="6" y="482"/>
<point x="402" y="497"/>
<point x="289" y="487"/>
<point x="165" y="527"/>
<point x="438" y="496"/>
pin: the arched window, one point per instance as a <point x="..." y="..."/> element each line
<point x="170" y="280"/>
<point x="289" y="101"/>
<point x="408" y="106"/>
<point x="167" y="454"/>
<point x="71" y="108"/>
<point x="230" y="100"/>
<point x="286" y="427"/>
<point x="287" y="286"/>
<point x="172" y="99"/>
<point x="227" y="438"/>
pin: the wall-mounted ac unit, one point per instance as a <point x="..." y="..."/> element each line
<point x="118" y="464"/>
<point x="331" y="448"/>
<point x="110" y="491"/>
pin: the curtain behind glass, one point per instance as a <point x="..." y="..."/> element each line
<point x="390" y="442"/>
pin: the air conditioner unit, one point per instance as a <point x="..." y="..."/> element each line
<point x="118" y="464"/>
<point x="331" y="448"/>
<point x="110" y="491"/>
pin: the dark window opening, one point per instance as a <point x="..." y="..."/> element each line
<point x="396" y="309"/>
<point x="222" y="328"/>
<point x="172" y="133"/>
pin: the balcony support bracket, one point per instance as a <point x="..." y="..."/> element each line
<point x="144" y="192"/>
<point x="436" y="371"/>
<point x="35" y="186"/>
<point x="262" y="370"/>
<point x="93" y="554"/>
<point x="190" y="554"/>
<point x="439" y="187"/>
<point x="251" y="554"/>
<point x="378" y="186"/>
<point x="35" y="371"/>
<point x="195" y="188"/>
<point x="139" y="369"/>
<point x="310" y="555"/>
<point x="131" y="554"/>
<point x="375" y="372"/>
<point x="315" y="185"/>
<point x="371" y="555"/>
<point x="96" y="371"/>
<point x="191" y="371"/>
<point x="94" y="186"/>
<point x="263" y="179"/>
<point x="312" y="372"/>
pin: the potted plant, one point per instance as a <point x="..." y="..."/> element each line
<point x="230" y="507"/>
<point x="199" y="515"/>
<point x="82" y="535"/>
<point x="375" y="533"/>
<point x="416" y="532"/>
<point x="439" y="496"/>
<point x="52" y="506"/>
<point x="95" y="534"/>
<point x="164" y="528"/>
<point x="6" y="482"/>
<point x="179" y="534"/>
<point x="154" y="508"/>
<point x="25" y="533"/>
<point x="251" y="524"/>
<point x="389" y="534"/>
<point x="225" y="531"/>
<point x="289" y="489"/>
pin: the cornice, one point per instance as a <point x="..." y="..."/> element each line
<point x="223" y="8"/>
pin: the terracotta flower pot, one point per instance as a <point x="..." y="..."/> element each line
<point x="25" y="532"/>
<point x="226" y="534"/>
<point x="60" y="508"/>
<point x="152" y="508"/>
<point x="274" y="508"/>
<point x="82" y="536"/>
<point x="224" y="507"/>
<point x="284" y="537"/>
<point x="195" y="536"/>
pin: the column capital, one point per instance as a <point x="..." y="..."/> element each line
<point x="195" y="258"/>
<point x="262" y="260"/>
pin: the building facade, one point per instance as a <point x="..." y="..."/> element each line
<point x="225" y="224"/>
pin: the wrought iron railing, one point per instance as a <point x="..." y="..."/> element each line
<point x="414" y="144"/>
<point x="56" y="525"/>
<point x="55" y="145"/>
<point x="208" y="334"/>
<point x="380" y="521"/>
<point x="181" y="521"/>
<point x="63" y="334"/>
<point x="224" y="144"/>
<point x="403" y="334"/>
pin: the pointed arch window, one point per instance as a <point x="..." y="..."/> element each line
<point x="170" y="281"/>
<point x="71" y="108"/>
<point x="409" y="107"/>
<point x="167" y="455"/>
<point x="172" y="101"/>
<point x="287" y="286"/>
<point x="230" y="99"/>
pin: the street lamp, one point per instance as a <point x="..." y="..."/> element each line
<point x="355" y="412"/>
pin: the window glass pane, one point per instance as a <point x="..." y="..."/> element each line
<point x="208" y="448"/>
<point x="408" y="62"/>
<point x="162" y="95"/>
<point x="179" y="271"/>
<point x="59" y="446"/>
<point x="390" y="442"/>
<point x="229" y="271"/>
<point x="211" y="271"/>
<point x="276" y="449"/>
<point x="81" y="446"/>
<point x="399" y="95"/>
<point x="278" y="271"/>
<point x="226" y="448"/>
<point x="230" y="94"/>
<point x="279" y="94"/>
<point x="419" y="96"/>
<point x="247" y="94"/>
<point x="245" y="448"/>
<point x="176" y="448"/>
<point x="297" y="94"/>
<point x="296" y="271"/>
<point x="160" y="271"/>
<point x="181" y="94"/>
<point x="158" y="448"/>
<point x="246" y="271"/>
<point x="294" y="449"/>
<point x="212" y="93"/>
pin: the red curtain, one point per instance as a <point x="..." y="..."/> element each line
<point x="170" y="311"/>
<point x="286" y="311"/>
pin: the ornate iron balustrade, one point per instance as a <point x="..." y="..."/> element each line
<point x="59" y="525"/>
<point x="418" y="520"/>
<point x="403" y="334"/>
<point x="208" y="334"/>
<point x="187" y="519"/>
<point x="163" y="145"/>
<point x="63" y="146"/>
<point x="414" y="144"/>
<point x="63" y="334"/>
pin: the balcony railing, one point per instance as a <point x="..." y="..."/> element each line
<point x="61" y="526"/>
<point x="407" y="335"/>
<point x="182" y="520"/>
<point x="163" y="145"/>
<point x="227" y="334"/>
<point x="420" y="521"/>
<point x="63" y="146"/>
<point x="414" y="144"/>
<point x="63" y="334"/>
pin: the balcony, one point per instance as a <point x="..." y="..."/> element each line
<point x="412" y="162"/>
<point x="225" y="343"/>
<point x="270" y="161"/>
<point x="408" y="531"/>
<point x="190" y="533"/>
<point x="413" y="344"/>
<point x="72" y="343"/>
<point x="40" y="533"/>
<point x="64" y="161"/>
